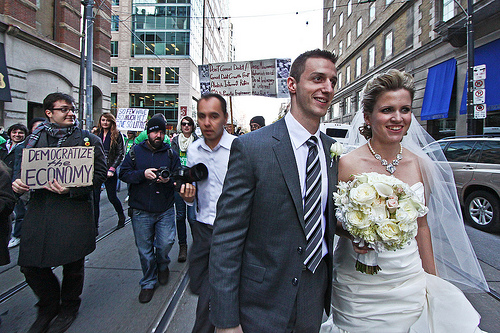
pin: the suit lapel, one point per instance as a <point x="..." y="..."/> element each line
<point x="286" y="160"/>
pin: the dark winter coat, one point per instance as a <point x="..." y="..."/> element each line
<point x="6" y="157"/>
<point x="116" y="153"/>
<point x="59" y="228"/>
<point x="7" y="202"/>
<point x="144" y="194"/>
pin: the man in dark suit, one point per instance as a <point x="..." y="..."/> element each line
<point x="271" y="255"/>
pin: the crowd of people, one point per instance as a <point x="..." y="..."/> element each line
<point x="262" y="220"/>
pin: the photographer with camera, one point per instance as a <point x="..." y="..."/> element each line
<point x="148" y="168"/>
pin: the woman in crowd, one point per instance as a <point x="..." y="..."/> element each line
<point x="114" y="150"/>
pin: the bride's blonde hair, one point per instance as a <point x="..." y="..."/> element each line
<point x="392" y="80"/>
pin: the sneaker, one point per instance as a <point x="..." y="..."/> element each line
<point x="62" y="322"/>
<point x="146" y="295"/>
<point x="43" y="320"/>
<point x="183" y="249"/>
<point x="14" y="241"/>
<point x="163" y="276"/>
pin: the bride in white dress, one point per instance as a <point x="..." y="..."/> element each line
<point x="408" y="294"/>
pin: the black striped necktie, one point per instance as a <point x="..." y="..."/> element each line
<point x="312" y="207"/>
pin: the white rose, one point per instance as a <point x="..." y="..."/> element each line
<point x="364" y="194"/>
<point x="358" y="220"/>
<point x="378" y="210"/>
<point x="407" y="211"/>
<point x="409" y="227"/>
<point x="336" y="149"/>
<point x="388" y="231"/>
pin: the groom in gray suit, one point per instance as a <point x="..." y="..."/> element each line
<point x="271" y="255"/>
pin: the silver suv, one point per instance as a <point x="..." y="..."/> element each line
<point x="475" y="161"/>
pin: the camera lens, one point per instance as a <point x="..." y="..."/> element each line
<point x="165" y="174"/>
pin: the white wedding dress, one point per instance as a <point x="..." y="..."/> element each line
<point x="401" y="298"/>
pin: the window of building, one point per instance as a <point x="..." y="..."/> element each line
<point x="358" y="66"/>
<point x="371" y="57"/>
<point x="161" y="29"/>
<point x="339" y="81"/>
<point x="359" y="27"/>
<point x="172" y="75"/>
<point x="115" y="20"/>
<point x="114" y="105"/>
<point x="340" y="48"/>
<point x="334" y="30"/>
<point x="388" y="2"/>
<point x="168" y="104"/>
<point x="135" y="75"/>
<point x="114" y="78"/>
<point x="347" y="106"/>
<point x="336" y="110"/>
<point x="348" y="74"/>
<point x="349" y="37"/>
<point x="372" y="12"/>
<point x="349" y="8"/>
<point x="341" y="20"/>
<point x="448" y="9"/>
<point x="388" y="45"/>
<point x="334" y="5"/>
<point x="154" y="75"/>
<point x="114" y="48"/>
<point x="359" y="99"/>
<point x="115" y="2"/>
<point x="327" y="38"/>
<point x="328" y="15"/>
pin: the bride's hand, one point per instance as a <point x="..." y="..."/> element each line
<point x="360" y="249"/>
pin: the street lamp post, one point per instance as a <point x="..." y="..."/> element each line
<point x="89" y="65"/>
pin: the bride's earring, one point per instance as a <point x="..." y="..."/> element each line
<point x="368" y="126"/>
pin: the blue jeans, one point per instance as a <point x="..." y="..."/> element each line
<point x="180" y="217"/>
<point x="154" y="236"/>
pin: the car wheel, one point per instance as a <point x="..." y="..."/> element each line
<point x="482" y="210"/>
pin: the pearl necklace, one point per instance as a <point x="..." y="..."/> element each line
<point x="390" y="167"/>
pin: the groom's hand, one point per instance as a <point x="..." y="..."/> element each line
<point x="360" y="249"/>
<point x="229" y="330"/>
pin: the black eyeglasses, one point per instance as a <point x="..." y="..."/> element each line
<point x="185" y="124"/>
<point x="66" y="110"/>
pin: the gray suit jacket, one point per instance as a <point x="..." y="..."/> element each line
<point x="258" y="245"/>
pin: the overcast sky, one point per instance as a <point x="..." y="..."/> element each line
<point x="266" y="29"/>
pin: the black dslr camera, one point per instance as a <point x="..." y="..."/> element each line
<point x="163" y="172"/>
<point x="185" y="175"/>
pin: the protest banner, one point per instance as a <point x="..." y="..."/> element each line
<point x="70" y="166"/>
<point x="131" y="119"/>
<point x="231" y="78"/>
<point x="259" y="78"/>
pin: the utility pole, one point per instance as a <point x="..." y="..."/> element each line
<point x="89" y="65"/>
<point x="473" y="125"/>
<point x="81" y="93"/>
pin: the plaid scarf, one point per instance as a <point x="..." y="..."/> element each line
<point x="54" y="130"/>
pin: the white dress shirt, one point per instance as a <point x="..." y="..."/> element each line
<point x="210" y="189"/>
<point x="299" y="136"/>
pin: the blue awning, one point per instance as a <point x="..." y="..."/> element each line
<point x="488" y="55"/>
<point x="438" y="90"/>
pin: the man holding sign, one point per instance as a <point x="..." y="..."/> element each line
<point x="58" y="228"/>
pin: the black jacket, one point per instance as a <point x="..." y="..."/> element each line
<point x="144" y="194"/>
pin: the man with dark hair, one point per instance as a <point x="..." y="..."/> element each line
<point x="271" y="254"/>
<point x="58" y="228"/>
<point x="151" y="202"/>
<point x="257" y="122"/>
<point x="213" y="151"/>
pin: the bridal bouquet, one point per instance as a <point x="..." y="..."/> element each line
<point x="381" y="212"/>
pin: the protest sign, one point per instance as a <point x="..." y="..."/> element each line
<point x="259" y="78"/>
<point x="131" y="119"/>
<point x="70" y="166"/>
<point x="231" y="78"/>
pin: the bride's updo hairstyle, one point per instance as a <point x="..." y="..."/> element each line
<point x="392" y="80"/>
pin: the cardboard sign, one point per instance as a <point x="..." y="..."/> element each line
<point x="70" y="166"/>
<point x="131" y="119"/>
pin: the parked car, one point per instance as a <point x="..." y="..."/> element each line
<point x="335" y="130"/>
<point x="475" y="161"/>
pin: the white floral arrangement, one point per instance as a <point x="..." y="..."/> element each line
<point x="379" y="211"/>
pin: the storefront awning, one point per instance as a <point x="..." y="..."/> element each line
<point x="438" y="90"/>
<point x="4" y="78"/>
<point x="489" y="55"/>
